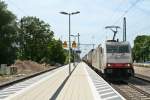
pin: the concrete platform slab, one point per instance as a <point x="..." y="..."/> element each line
<point x="85" y="84"/>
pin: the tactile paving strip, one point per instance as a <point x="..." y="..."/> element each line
<point x="104" y="90"/>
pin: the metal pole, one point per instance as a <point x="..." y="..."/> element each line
<point x="93" y="46"/>
<point x="69" y="56"/>
<point x="74" y="56"/>
<point x="69" y="48"/>
<point x="124" y="28"/>
<point x="78" y="42"/>
<point x="79" y="45"/>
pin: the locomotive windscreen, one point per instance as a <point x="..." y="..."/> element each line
<point x="117" y="48"/>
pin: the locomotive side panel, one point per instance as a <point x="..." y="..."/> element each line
<point x="103" y="58"/>
<point x="89" y="57"/>
<point x="94" y="58"/>
<point x="99" y="58"/>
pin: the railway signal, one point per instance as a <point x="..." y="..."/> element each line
<point x="65" y="44"/>
<point x="78" y="51"/>
<point x="74" y="45"/>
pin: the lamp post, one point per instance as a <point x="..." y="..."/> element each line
<point x="69" y="14"/>
<point x="74" y="49"/>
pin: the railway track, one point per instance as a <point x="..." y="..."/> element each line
<point x="134" y="89"/>
<point x="142" y="77"/>
<point x="137" y="88"/>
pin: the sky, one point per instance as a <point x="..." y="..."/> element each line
<point x="90" y="23"/>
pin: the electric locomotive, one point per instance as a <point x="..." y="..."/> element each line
<point x="113" y="59"/>
<point x="117" y="60"/>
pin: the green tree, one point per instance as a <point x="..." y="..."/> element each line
<point x="141" y="49"/>
<point x="56" y="54"/>
<point x="8" y="33"/>
<point x="34" y="37"/>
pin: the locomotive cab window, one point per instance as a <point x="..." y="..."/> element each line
<point x="123" y="49"/>
<point x="117" y="48"/>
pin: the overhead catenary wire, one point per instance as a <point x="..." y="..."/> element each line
<point x="117" y="8"/>
<point x="126" y="11"/>
<point x="18" y="8"/>
<point x="147" y="27"/>
<point x="114" y="14"/>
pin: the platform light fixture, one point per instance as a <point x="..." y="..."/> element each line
<point x="69" y="14"/>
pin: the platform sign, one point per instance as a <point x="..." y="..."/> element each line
<point x="74" y="45"/>
<point x="65" y="44"/>
<point x="78" y="51"/>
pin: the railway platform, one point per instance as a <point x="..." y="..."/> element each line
<point x="82" y="84"/>
<point x="142" y="72"/>
<point x="41" y="87"/>
<point x="85" y="84"/>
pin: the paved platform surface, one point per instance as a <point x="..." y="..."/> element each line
<point x="77" y="87"/>
<point x="142" y="70"/>
<point x="85" y="84"/>
<point x="42" y="89"/>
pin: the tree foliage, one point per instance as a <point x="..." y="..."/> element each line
<point x="28" y="39"/>
<point x="8" y="31"/>
<point x="34" y="37"/>
<point x="36" y="42"/>
<point x="141" y="49"/>
<point x="55" y="52"/>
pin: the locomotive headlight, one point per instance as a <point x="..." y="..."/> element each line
<point x="128" y="64"/>
<point x="108" y="65"/>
